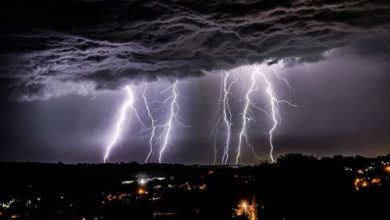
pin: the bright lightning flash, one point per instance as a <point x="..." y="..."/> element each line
<point x="173" y="117"/>
<point x="153" y="124"/>
<point x="275" y="115"/>
<point x="128" y="104"/>
<point x="247" y="115"/>
<point x="227" y="115"/>
<point x="224" y="120"/>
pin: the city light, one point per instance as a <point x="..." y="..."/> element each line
<point x="142" y="182"/>
<point x="141" y="191"/>
<point x="202" y="187"/>
<point x="248" y="210"/>
<point x="7" y="205"/>
<point x="376" y="181"/>
<point x="244" y="205"/>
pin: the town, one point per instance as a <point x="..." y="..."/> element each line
<point x="296" y="187"/>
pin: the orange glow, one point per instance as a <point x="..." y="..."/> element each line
<point x="141" y="191"/>
<point x="14" y="216"/>
<point x="357" y="181"/>
<point x="364" y="184"/>
<point x="244" y="205"/>
<point x="387" y="168"/>
<point x="376" y="181"/>
<point x="247" y="209"/>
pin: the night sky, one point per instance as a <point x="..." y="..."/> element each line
<point x="64" y="63"/>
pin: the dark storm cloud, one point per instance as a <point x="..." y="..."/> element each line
<point x="51" y="48"/>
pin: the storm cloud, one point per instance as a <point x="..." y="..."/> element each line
<point x="53" y="48"/>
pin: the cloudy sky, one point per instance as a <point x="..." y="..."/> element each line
<point x="63" y="66"/>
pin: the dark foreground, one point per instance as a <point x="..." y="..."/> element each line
<point x="297" y="187"/>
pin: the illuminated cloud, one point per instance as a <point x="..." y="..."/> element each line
<point x="109" y="44"/>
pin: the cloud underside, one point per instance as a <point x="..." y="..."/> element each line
<point x="82" y="46"/>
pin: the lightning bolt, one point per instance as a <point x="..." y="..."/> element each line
<point x="224" y="121"/>
<point x="275" y="115"/>
<point x="168" y="126"/>
<point x="274" y="104"/>
<point x="153" y="124"/>
<point x="247" y="115"/>
<point x="227" y="115"/>
<point x="128" y="104"/>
